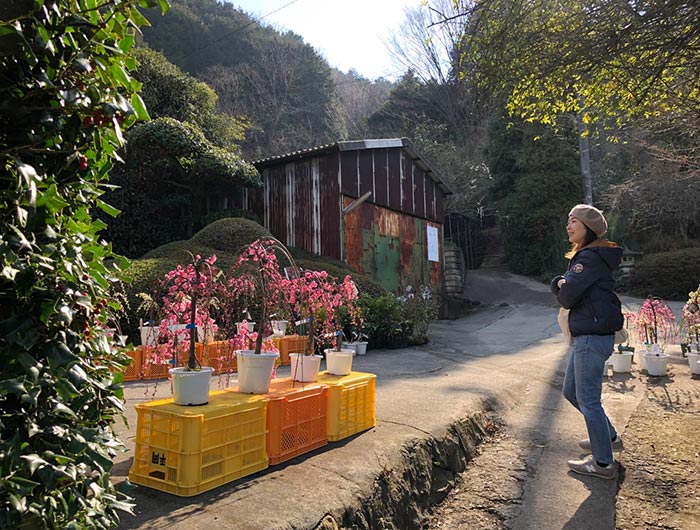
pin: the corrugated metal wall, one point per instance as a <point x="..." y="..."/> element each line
<point x="300" y="204"/>
<point x="391" y="247"/>
<point x="385" y="237"/>
<point x="329" y="214"/>
<point x="395" y="180"/>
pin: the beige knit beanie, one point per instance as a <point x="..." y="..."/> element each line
<point x="592" y="217"/>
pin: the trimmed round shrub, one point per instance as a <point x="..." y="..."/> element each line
<point x="230" y="213"/>
<point x="230" y="234"/>
<point x="177" y="251"/>
<point x="669" y="275"/>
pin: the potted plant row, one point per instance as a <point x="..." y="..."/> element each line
<point x="200" y="295"/>
<point x="690" y="330"/>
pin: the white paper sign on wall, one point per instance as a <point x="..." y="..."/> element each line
<point x="433" y="254"/>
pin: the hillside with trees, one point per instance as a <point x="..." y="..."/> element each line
<point x="282" y="85"/>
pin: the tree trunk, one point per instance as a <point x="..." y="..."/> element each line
<point x="584" y="153"/>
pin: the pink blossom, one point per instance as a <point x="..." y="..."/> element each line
<point x="655" y="322"/>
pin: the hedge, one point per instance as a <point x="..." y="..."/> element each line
<point x="669" y="275"/>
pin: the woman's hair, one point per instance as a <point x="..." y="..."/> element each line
<point x="590" y="238"/>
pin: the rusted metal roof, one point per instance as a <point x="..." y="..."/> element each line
<point x="355" y="145"/>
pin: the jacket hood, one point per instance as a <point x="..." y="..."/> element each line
<point x="608" y="251"/>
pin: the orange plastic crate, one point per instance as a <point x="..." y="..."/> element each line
<point x="296" y="418"/>
<point x="153" y="370"/>
<point x="188" y="450"/>
<point x="220" y="356"/>
<point x="134" y="371"/>
<point x="351" y="401"/>
<point x="291" y="344"/>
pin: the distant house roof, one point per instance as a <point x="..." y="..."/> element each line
<point x="628" y="252"/>
<point x="354" y="145"/>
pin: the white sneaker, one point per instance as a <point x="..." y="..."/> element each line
<point x="590" y="467"/>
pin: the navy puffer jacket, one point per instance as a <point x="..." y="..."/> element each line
<point x="588" y="291"/>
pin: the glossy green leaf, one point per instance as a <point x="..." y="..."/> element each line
<point x="61" y="410"/>
<point x="19" y="485"/>
<point x="137" y="18"/>
<point x="22" y="215"/>
<point x="139" y="108"/>
<point x="56" y="265"/>
<point x="33" y="462"/>
<point x="12" y="386"/>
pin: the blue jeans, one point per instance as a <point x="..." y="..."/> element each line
<point x="583" y="385"/>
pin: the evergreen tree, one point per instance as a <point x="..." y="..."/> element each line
<point x="535" y="181"/>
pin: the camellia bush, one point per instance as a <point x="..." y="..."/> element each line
<point x="66" y="94"/>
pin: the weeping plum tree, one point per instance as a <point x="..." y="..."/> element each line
<point x="65" y="94"/>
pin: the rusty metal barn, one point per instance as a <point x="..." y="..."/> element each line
<point x="375" y="204"/>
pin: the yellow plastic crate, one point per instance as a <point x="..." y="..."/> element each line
<point x="296" y="418"/>
<point x="188" y="450"/>
<point x="350" y="403"/>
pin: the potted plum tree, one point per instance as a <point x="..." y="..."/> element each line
<point x="187" y="287"/>
<point x="656" y="326"/>
<point x="256" y="275"/>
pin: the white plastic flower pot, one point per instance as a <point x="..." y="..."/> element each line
<point x="279" y="327"/>
<point x="621" y="362"/>
<point x="251" y="327"/>
<point x="694" y="363"/>
<point x="305" y="368"/>
<point x="255" y="371"/>
<point x="339" y="362"/>
<point x="656" y="364"/>
<point x="360" y="348"/>
<point x="350" y="346"/>
<point x="191" y="387"/>
<point x="149" y="336"/>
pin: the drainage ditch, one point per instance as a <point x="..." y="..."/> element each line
<point x="402" y="494"/>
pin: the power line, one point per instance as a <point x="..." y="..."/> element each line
<point x="278" y="9"/>
<point x="241" y="28"/>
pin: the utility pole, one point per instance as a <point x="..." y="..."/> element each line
<point x="585" y="155"/>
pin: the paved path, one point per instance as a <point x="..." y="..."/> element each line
<point x="505" y="357"/>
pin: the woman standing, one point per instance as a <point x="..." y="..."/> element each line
<point x="595" y="315"/>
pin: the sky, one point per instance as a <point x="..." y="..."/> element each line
<point x="348" y="33"/>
